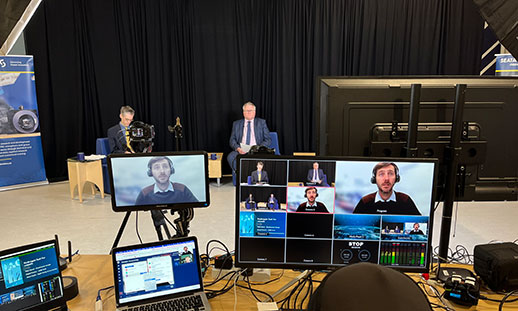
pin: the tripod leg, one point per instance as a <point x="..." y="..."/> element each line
<point x="121" y="229"/>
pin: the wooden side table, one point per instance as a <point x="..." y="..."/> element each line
<point x="215" y="166"/>
<point x="79" y="173"/>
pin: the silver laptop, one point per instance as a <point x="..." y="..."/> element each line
<point x="162" y="275"/>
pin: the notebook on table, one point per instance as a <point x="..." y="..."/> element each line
<point x="163" y="275"/>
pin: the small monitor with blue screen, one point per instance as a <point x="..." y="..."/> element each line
<point x="30" y="278"/>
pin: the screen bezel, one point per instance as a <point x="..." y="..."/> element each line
<point x="48" y="305"/>
<point x="330" y="158"/>
<point x="152" y="244"/>
<point x="172" y="206"/>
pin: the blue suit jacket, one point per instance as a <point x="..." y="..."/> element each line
<point x="320" y="173"/>
<point x="117" y="139"/>
<point x="262" y="134"/>
<point x="264" y="177"/>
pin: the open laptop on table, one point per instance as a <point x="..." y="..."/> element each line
<point x="162" y="275"/>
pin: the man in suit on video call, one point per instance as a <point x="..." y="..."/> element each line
<point x="260" y="176"/>
<point x="315" y="175"/>
<point x="248" y="131"/>
<point x="118" y="136"/>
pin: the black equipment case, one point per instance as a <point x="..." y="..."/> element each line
<point x="497" y="265"/>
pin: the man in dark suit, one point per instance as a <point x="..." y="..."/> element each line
<point x="316" y="175"/>
<point x="260" y="176"/>
<point x="249" y="131"/>
<point x="272" y="203"/>
<point x="117" y="134"/>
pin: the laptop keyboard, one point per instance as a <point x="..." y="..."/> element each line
<point x="189" y="303"/>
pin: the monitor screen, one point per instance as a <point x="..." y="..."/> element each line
<point x="170" y="180"/>
<point x="368" y="116"/>
<point x="30" y="278"/>
<point x="320" y="212"/>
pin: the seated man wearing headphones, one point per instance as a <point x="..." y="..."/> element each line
<point x="312" y="206"/>
<point x="163" y="190"/>
<point x="386" y="201"/>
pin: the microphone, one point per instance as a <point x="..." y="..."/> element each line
<point x="177" y="129"/>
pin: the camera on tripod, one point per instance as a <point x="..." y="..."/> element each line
<point x="141" y="136"/>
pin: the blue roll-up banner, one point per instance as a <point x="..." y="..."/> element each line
<point x="506" y="65"/>
<point x="21" y="155"/>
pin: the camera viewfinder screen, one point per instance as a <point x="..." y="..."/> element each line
<point x="149" y="181"/>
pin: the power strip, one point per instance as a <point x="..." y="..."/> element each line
<point x="260" y="275"/>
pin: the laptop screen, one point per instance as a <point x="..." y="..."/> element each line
<point x="30" y="278"/>
<point x="148" y="271"/>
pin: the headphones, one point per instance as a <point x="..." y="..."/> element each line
<point x="383" y="164"/>
<point x="156" y="159"/>
<point x="307" y="189"/>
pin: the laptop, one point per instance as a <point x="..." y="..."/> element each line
<point x="163" y="275"/>
<point x="30" y="278"/>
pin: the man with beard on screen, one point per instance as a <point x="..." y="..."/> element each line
<point x="386" y="200"/>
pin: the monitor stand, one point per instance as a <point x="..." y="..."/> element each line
<point x="182" y="224"/>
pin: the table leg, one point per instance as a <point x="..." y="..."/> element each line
<point x="218" y="181"/>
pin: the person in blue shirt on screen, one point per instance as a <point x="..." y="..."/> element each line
<point x="163" y="191"/>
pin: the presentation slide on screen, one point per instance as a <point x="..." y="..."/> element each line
<point x="25" y="268"/>
<point x="263" y="224"/>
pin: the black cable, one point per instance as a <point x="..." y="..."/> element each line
<point x="309" y="292"/>
<point x="217" y="278"/>
<point x="216" y="241"/>
<point x="136" y="227"/>
<point x="257" y="290"/>
<point x="170" y="223"/>
<point x="100" y="290"/>
<point x="501" y="305"/>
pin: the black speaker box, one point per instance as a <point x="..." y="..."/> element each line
<point x="497" y="265"/>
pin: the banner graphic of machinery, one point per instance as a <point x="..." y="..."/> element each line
<point x="21" y="156"/>
<point x="506" y="65"/>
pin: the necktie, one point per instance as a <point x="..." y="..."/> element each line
<point x="248" y="132"/>
<point x="315" y="175"/>
<point x="259" y="176"/>
<point x="128" y="141"/>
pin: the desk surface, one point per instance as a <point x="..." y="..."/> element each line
<point x="95" y="272"/>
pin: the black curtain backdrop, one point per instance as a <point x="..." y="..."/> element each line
<point x="202" y="59"/>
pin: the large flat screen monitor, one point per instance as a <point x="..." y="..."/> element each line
<point x="321" y="212"/>
<point x="30" y="278"/>
<point x="368" y="116"/>
<point x="149" y="181"/>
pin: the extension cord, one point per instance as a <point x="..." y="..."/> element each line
<point x="260" y="275"/>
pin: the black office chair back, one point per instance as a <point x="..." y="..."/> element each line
<point x="366" y="287"/>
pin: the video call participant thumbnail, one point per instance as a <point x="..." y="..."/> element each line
<point x="416" y="230"/>
<point x="163" y="190"/>
<point x="260" y="176"/>
<point x="386" y="200"/>
<point x="311" y="205"/>
<point x="315" y="175"/>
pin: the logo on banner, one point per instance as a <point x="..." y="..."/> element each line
<point x="2" y="63"/>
